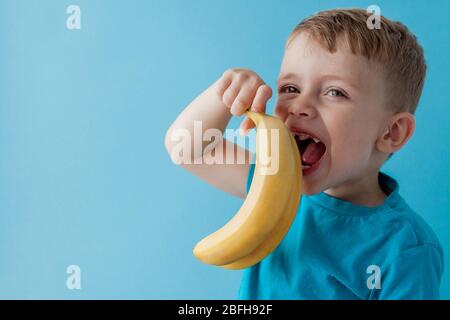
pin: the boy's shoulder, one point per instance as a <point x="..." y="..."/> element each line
<point x="408" y="220"/>
<point x="418" y="228"/>
<point x="414" y="267"/>
<point x="411" y="238"/>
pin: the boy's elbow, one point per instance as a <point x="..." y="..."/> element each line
<point x="168" y="141"/>
<point x="172" y="143"/>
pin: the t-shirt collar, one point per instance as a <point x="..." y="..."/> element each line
<point x="392" y="201"/>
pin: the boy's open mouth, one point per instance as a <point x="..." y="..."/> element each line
<point x="311" y="150"/>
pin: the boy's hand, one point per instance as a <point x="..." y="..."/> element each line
<point x="240" y="90"/>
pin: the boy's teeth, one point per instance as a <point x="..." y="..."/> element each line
<point x="304" y="137"/>
<point x="305" y="166"/>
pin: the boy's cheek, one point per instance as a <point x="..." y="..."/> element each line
<point x="281" y="112"/>
<point x="349" y="158"/>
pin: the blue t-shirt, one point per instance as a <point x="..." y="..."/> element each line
<point x="339" y="250"/>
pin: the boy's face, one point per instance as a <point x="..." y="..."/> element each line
<point x="340" y="99"/>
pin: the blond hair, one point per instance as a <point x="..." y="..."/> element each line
<point x="392" y="45"/>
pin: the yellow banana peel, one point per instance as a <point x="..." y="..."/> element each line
<point x="270" y="206"/>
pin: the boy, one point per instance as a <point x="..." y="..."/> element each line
<point x="354" y="90"/>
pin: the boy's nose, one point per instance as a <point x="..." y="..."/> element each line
<point x="302" y="108"/>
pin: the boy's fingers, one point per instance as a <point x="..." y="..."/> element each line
<point x="245" y="126"/>
<point x="223" y="83"/>
<point x="263" y="94"/>
<point x="230" y="94"/>
<point x="243" y="100"/>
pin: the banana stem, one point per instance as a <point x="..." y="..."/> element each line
<point x="254" y="116"/>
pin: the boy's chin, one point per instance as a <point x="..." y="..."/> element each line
<point x="311" y="189"/>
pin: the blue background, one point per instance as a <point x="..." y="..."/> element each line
<point x="84" y="176"/>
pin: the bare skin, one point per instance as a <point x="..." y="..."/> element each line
<point x="340" y="97"/>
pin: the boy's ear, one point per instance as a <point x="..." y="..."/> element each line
<point x="400" y="128"/>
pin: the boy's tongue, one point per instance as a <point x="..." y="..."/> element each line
<point x="313" y="153"/>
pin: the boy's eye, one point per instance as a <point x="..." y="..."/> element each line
<point x="288" y="89"/>
<point x="335" y="93"/>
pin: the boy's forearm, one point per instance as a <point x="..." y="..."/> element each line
<point x="207" y="108"/>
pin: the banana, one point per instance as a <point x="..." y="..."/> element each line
<point x="281" y="228"/>
<point x="269" y="208"/>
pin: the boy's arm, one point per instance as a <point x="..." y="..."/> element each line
<point x="232" y="94"/>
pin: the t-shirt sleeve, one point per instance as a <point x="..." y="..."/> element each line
<point x="415" y="274"/>
<point x="250" y="176"/>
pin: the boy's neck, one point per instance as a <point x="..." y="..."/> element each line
<point x="366" y="191"/>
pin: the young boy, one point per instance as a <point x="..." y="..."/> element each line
<point x="355" y="90"/>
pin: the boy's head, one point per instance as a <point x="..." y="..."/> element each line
<point x="356" y="90"/>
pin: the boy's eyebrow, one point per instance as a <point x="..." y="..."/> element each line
<point x="347" y="81"/>
<point x="294" y="76"/>
<point x="287" y="76"/>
